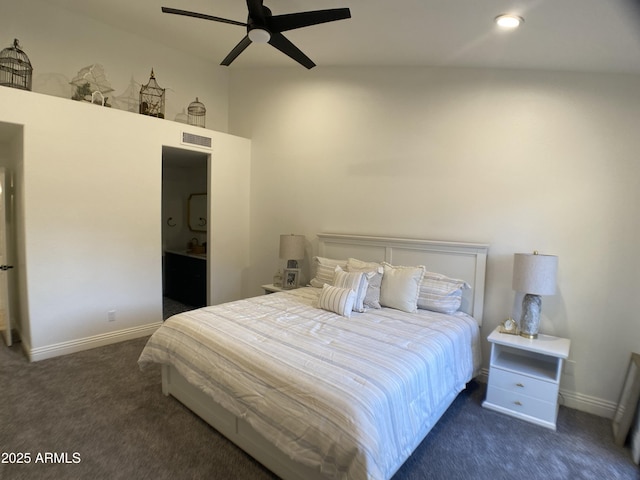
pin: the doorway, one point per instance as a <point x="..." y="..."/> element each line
<point x="185" y="229"/>
<point x="11" y="141"/>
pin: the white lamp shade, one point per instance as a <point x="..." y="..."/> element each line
<point x="534" y="273"/>
<point x="292" y="247"/>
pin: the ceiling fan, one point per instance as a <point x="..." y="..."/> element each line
<point x="263" y="27"/>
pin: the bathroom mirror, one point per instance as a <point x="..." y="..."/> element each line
<point x="197" y="212"/>
<point x="628" y="401"/>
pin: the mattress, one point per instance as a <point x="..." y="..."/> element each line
<point x="351" y="397"/>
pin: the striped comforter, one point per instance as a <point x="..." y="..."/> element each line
<point x="353" y="397"/>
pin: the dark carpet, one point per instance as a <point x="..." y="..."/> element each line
<point x="172" y="307"/>
<point x="95" y="415"/>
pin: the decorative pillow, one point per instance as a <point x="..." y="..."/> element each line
<point x="440" y="293"/>
<point x="400" y="287"/>
<point x="337" y="300"/>
<point x="325" y="270"/>
<point x="374" y="272"/>
<point x="356" y="281"/>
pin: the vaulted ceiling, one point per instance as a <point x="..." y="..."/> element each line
<point x="576" y="35"/>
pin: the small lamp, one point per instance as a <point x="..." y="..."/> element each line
<point x="534" y="275"/>
<point x="292" y="249"/>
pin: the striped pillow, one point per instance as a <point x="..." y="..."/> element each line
<point x="373" y="272"/>
<point x="325" y="270"/>
<point x="337" y="300"/>
<point x="440" y="293"/>
<point x="356" y="281"/>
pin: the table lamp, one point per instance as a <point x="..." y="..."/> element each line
<point x="292" y="249"/>
<point x="534" y="275"/>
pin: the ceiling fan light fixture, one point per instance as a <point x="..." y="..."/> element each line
<point x="259" y="35"/>
<point x="509" y="21"/>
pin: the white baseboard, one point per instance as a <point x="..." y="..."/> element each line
<point x="586" y="403"/>
<point x="87" y="343"/>
<point x="577" y="401"/>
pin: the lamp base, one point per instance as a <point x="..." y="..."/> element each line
<point x="530" y="319"/>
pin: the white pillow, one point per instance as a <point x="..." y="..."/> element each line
<point x="400" y="287"/>
<point x="325" y="270"/>
<point x="356" y="281"/>
<point x="440" y="293"/>
<point x="337" y="300"/>
<point x="374" y="272"/>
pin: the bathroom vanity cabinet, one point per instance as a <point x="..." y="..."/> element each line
<point x="185" y="277"/>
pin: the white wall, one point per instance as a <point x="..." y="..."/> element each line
<point x="60" y="43"/>
<point x="91" y="212"/>
<point x="91" y="179"/>
<point x="520" y="160"/>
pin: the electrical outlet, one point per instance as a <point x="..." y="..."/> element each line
<point x="111" y="316"/>
<point x="569" y="367"/>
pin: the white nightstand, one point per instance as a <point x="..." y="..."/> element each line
<point x="524" y="376"/>
<point x="271" y="288"/>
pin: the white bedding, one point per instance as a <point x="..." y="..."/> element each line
<point x="350" y="396"/>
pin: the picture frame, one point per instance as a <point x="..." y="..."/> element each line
<point x="290" y="278"/>
<point x="628" y="403"/>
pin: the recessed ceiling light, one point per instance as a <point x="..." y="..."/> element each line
<point x="509" y="21"/>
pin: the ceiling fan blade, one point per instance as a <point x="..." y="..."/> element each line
<point x="237" y="50"/>
<point x="175" y="11"/>
<point x="290" y="21"/>
<point x="285" y="46"/>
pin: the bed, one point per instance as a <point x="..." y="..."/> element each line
<point x="312" y="391"/>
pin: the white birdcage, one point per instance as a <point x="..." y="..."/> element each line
<point x="92" y="85"/>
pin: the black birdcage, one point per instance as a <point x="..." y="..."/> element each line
<point x="15" y="68"/>
<point x="152" y="98"/>
<point x="197" y="113"/>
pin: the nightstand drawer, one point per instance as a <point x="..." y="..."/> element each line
<point x="522" y="404"/>
<point x="523" y="385"/>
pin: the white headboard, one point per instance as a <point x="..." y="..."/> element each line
<point x="466" y="261"/>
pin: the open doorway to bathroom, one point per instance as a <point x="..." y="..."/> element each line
<point x="185" y="226"/>
<point x="13" y="328"/>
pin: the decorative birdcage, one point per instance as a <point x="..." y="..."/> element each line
<point x="152" y="98"/>
<point x="15" y="68"/>
<point x="197" y="113"/>
<point x="92" y="85"/>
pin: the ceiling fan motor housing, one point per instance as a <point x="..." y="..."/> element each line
<point x="257" y="29"/>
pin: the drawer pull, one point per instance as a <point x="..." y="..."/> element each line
<point x="517" y="402"/>
<point x="519" y="385"/>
